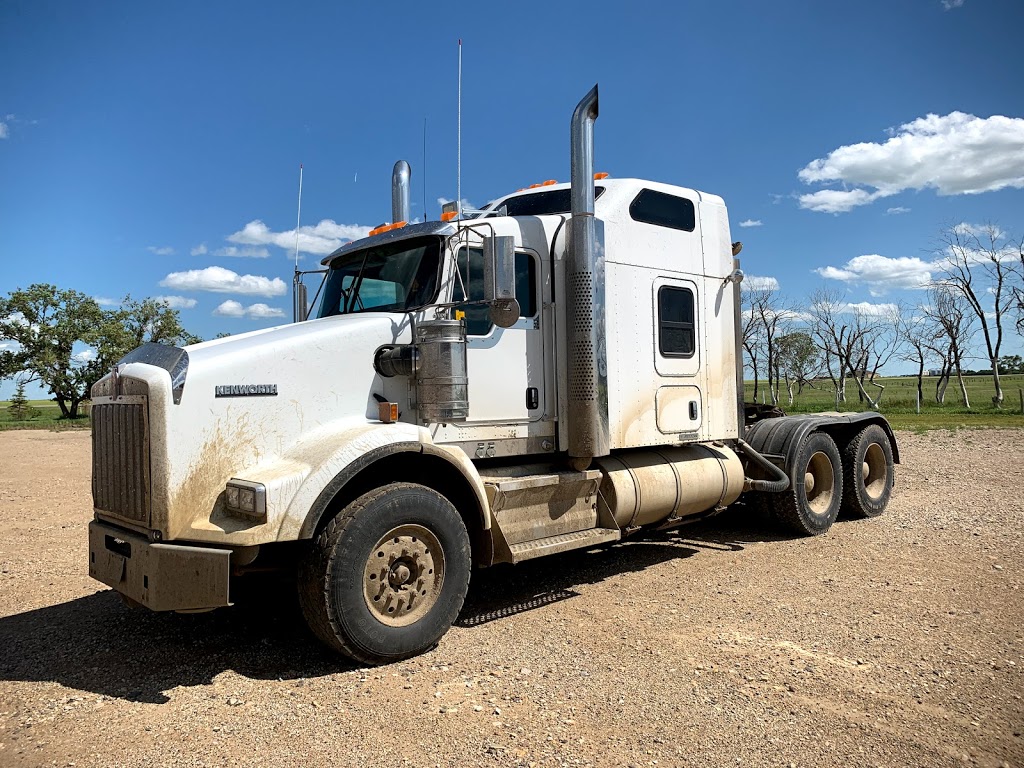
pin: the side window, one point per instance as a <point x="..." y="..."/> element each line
<point x="478" y="322"/>
<point x="676" y="330"/>
<point x="663" y="210"/>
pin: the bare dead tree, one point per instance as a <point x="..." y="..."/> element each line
<point x="853" y="338"/>
<point x="752" y="343"/>
<point x="1018" y="291"/>
<point x="978" y="263"/>
<point x="950" y="314"/>
<point x="919" y="341"/>
<point x="766" y="317"/>
<point x="879" y="345"/>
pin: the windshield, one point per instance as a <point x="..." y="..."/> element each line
<point x="391" y="277"/>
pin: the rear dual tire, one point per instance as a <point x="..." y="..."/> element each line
<point x="868" y="473"/>
<point x="811" y="503"/>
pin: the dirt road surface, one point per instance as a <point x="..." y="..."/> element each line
<point x="891" y="642"/>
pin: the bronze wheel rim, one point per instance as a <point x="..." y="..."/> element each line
<point x="403" y="575"/>
<point x="874" y="470"/>
<point x="819" y="483"/>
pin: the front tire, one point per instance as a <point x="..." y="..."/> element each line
<point x="387" y="576"/>
<point x="868" y="473"/>
<point x="811" y="503"/>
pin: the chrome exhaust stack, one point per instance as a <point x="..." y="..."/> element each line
<point x="587" y="396"/>
<point x="400" y="192"/>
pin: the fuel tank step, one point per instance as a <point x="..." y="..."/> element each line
<point x="562" y="543"/>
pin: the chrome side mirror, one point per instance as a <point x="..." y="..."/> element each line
<point x="500" y="280"/>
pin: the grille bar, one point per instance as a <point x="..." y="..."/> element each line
<point x="120" y="460"/>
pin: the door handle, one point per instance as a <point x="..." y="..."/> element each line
<point x="693" y="410"/>
<point x="532" y="398"/>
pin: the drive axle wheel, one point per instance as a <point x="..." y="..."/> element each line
<point x="868" y="473"/>
<point x="387" y="576"/>
<point x="811" y="504"/>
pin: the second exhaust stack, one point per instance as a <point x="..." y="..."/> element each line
<point x="587" y="398"/>
<point x="400" y="192"/>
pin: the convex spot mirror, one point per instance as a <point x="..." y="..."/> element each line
<point x="500" y="280"/>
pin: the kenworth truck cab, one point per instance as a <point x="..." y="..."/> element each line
<point x="559" y="370"/>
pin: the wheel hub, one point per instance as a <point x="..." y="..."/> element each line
<point x="819" y="483"/>
<point x="403" y="575"/>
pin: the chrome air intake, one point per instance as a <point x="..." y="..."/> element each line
<point x="587" y="398"/>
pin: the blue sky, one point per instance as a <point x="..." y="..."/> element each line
<point x="143" y="144"/>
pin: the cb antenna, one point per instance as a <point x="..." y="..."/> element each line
<point x="424" y="171"/>
<point x="298" y="219"/>
<point x="458" y="155"/>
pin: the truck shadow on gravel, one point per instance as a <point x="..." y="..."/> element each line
<point x="96" y="644"/>
<point x="505" y="590"/>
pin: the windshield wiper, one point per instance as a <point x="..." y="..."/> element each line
<point x="353" y="295"/>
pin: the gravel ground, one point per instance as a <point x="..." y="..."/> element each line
<point x="890" y="642"/>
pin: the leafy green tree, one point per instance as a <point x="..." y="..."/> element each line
<point x="133" y="324"/>
<point x="47" y="323"/>
<point x="1011" y="364"/>
<point x="19" y="407"/>
<point x="800" y="359"/>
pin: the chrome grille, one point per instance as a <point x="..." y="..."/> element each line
<point x="120" y="459"/>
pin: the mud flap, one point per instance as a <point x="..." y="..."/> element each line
<point x="162" y="577"/>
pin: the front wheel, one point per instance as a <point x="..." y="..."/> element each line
<point x="811" y="504"/>
<point x="387" y="576"/>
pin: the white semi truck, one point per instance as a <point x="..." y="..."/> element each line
<point x="557" y="371"/>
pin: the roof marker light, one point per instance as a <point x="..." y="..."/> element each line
<point x="599" y="176"/>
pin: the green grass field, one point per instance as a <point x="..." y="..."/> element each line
<point x="898" y="402"/>
<point x="49" y="417"/>
<point x="897" y="405"/>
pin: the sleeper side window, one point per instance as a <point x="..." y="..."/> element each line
<point x="676" y="326"/>
<point x="663" y="210"/>
<point x="478" y="321"/>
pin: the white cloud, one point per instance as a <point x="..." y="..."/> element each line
<point x="758" y="283"/>
<point x="163" y="250"/>
<point x="321" y="239"/>
<point x="466" y="205"/>
<point x="6" y="345"/>
<point x="85" y="356"/>
<point x="951" y="4"/>
<point x="983" y="232"/>
<point x="896" y="211"/>
<point x="231" y="308"/>
<point x="262" y="310"/>
<point x="869" y="309"/>
<point x="245" y="251"/>
<point x="176" y="302"/>
<point x="199" y="250"/>
<point x="4" y="132"/>
<point x="221" y="280"/>
<point x="751" y="223"/>
<point x="954" y="154"/>
<point x="837" y="200"/>
<point x="104" y="301"/>
<point x="881" y="273"/>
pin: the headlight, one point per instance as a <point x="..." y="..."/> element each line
<point x="244" y="498"/>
